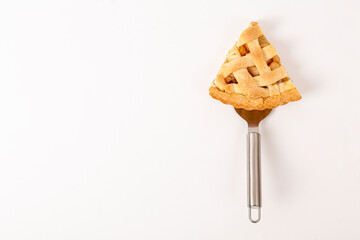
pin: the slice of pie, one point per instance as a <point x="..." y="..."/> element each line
<point x="252" y="76"/>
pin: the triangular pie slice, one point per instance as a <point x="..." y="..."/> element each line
<point x="252" y="76"/>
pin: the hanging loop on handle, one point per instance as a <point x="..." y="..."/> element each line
<point x="253" y="210"/>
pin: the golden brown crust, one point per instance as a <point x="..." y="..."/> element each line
<point x="252" y="76"/>
<point x="241" y="101"/>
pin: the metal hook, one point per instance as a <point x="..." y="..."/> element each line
<point x="259" y="214"/>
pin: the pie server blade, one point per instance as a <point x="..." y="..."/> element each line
<point x="253" y="118"/>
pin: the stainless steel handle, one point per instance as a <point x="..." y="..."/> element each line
<point x="254" y="175"/>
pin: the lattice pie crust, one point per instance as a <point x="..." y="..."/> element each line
<point x="252" y="76"/>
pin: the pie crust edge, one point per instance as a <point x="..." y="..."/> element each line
<point x="241" y="101"/>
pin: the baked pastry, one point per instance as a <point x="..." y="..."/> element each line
<point x="252" y="76"/>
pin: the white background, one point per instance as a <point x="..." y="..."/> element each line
<point x="107" y="130"/>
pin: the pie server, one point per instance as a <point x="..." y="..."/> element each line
<point x="253" y="119"/>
